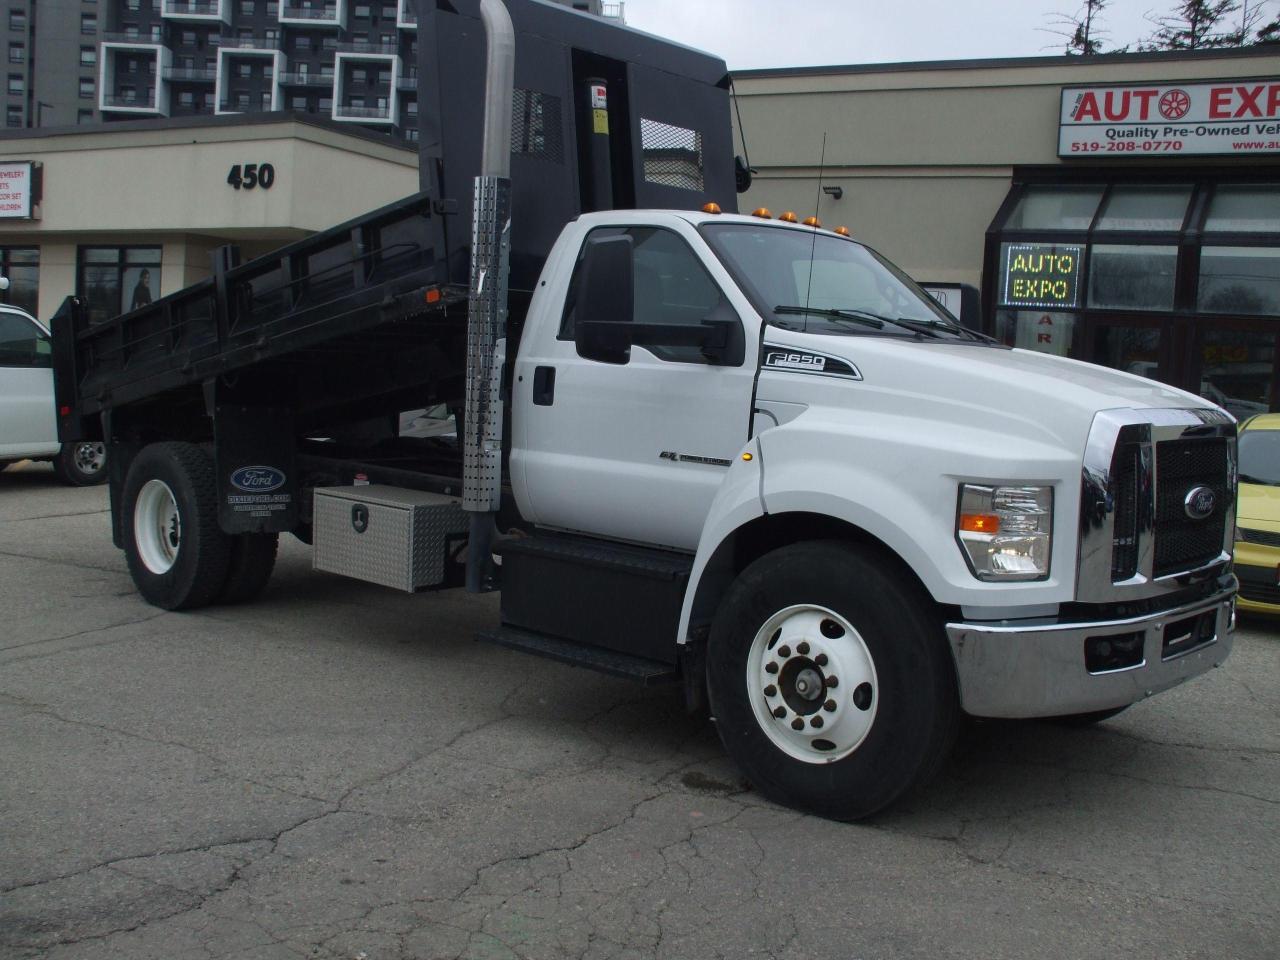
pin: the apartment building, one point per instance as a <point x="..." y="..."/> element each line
<point x="89" y="61"/>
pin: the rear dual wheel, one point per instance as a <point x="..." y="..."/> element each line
<point x="178" y="556"/>
<point x="830" y="681"/>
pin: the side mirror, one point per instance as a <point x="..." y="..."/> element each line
<point x="605" y="294"/>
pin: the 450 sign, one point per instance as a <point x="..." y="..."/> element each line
<point x="251" y="175"/>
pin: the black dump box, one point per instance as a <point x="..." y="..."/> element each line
<point x="369" y="317"/>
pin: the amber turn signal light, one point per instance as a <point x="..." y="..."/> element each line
<point x="980" y="523"/>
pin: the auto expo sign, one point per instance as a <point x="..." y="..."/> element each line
<point x="1229" y="117"/>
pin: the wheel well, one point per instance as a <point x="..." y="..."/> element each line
<point x="765" y="534"/>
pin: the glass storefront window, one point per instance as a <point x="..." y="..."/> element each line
<point x="1236" y="370"/>
<point x="1243" y="280"/>
<point x="1131" y="277"/>
<point x="113" y="280"/>
<point x="1131" y="349"/>
<point x="22" y="266"/>
<point x="1045" y="331"/>
<point x="1143" y="207"/>
<point x="1055" y="207"/>
<point x="1244" y="209"/>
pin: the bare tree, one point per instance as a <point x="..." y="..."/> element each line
<point x="1196" y="25"/>
<point x="1081" y="30"/>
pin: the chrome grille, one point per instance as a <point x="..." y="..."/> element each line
<point x="1136" y="537"/>
<point x="1182" y="542"/>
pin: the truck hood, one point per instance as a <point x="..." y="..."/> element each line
<point x="1014" y="393"/>
<point x="1258" y="502"/>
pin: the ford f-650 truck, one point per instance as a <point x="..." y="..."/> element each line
<point x="740" y="453"/>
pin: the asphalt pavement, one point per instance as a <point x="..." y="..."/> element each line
<point x="341" y="771"/>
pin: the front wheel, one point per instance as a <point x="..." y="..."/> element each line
<point x="177" y="554"/>
<point x="81" y="464"/>
<point x="831" y="685"/>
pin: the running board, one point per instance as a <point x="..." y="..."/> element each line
<point x="646" y="672"/>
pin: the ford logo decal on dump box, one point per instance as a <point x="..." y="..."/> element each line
<point x="257" y="479"/>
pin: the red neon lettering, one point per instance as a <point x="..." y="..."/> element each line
<point x="1088" y="107"/>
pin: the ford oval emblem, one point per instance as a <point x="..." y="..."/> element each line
<point x="1200" y="502"/>
<point x="257" y="479"/>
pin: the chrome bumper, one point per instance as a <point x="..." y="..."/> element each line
<point x="1017" y="670"/>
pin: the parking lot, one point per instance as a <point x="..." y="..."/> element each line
<point x="340" y="771"/>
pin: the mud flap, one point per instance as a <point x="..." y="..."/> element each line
<point x="257" y="471"/>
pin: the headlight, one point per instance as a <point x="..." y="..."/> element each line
<point x="1006" y="532"/>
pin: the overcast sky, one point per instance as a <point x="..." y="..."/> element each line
<point x="786" y="33"/>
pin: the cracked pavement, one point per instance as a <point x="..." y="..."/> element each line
<point x="340" y="771"/>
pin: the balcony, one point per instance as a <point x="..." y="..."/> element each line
<point x="409" y="83"/>
<point x="314" y="14"/>
<point x="369" y="46"/>
<point x="197" y="11"/>
<point x="251" y="43"/>
<point x="133" y="78"/>
<point x="362" y="113"/>
<point x="407" y="15"/>
<point x="344" y="109"/>
<point x="307" y="80"/>
<point x="132" y="35"/>
<point x="192" y="74"/>
<point x="614" y="11"/>
<point x="274" y="61"/>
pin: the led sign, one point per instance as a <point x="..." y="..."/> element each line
<point x="1041" y="275"/>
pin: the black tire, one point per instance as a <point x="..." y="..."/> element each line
<point x="1088" y="719"/>
<point x="253" y="556"/>
<point x="199" y="567"/>
<point x="916" y="705"/>
<point x="81" y="464"/>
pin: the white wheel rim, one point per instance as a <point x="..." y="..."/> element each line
<point x="812" y="683"/>
<point x="157" y="527"/>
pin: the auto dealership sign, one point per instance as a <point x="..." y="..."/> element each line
<point x="16" y="187"/>
<point x="1229" y="117"/>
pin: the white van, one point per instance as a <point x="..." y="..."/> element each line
<point x="28" y="422"/>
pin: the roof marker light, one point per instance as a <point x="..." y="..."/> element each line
<point x="789" y="217"/>
<point x="843" y="231"/>
<point x="812" y="222"/>
<point x="711" y="208"/>
<point x="762" y="212"/>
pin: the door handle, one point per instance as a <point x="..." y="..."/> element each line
<point x="544" y="386"/>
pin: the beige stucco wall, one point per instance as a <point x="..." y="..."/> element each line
<point x="168" y="187"/>
<point x="926" y="154"/>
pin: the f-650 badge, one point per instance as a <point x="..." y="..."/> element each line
<point x="791" y="360"/>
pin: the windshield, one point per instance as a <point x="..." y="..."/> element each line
<point x="819" y="283"/>
<point x="1260" y="457"/>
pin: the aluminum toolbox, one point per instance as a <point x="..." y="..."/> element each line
<point x="387" y="535"/>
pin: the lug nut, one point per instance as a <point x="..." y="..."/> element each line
<point x="802" y="648"/>
<point x="771" y="691"/>
<point x="780" y="712"/>
<point x="833" y="682"/>
<point x="784" y="651"/>
<point x="797" y="724"/>
<point x="829" y="706"/>
<point x="820" y="659"/>
<point x="816" y="723"/>
<point x="770" y="667"/>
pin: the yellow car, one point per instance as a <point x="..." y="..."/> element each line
<point x="1258" y="515"/>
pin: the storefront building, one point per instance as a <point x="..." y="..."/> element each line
<point x="1123" y="210"/>
<point x="124" y="214"/>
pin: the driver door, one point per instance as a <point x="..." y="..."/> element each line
<point x="635" y="450"/>
<point x="28" y="427"/>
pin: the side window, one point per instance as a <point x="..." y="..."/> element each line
<point x="22" y="344"/>
<point x="670" y="286"/>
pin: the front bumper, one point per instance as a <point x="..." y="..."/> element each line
<point x="1038" y="670"/>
